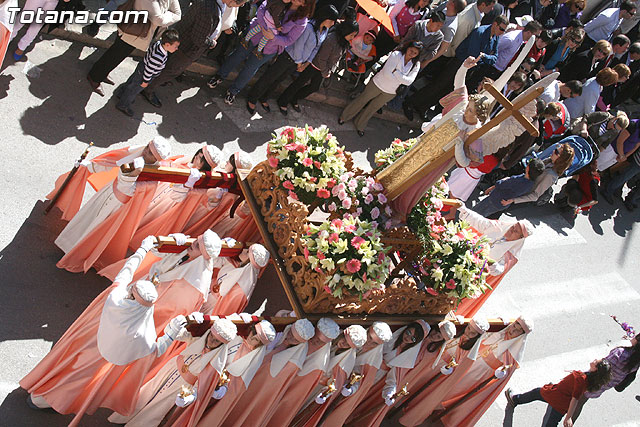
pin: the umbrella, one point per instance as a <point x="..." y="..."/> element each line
<point x="377" y="12"/>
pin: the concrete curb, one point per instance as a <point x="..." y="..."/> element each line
<point x="207" y="67"/>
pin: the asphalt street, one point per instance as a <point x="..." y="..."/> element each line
<point x="571" y="276"/>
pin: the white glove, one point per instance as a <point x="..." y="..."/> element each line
<point x="175" y="325"/>
<point x="148" y="243"/>
<point x="183" y="402"/>
<point x="162" y="344"/>
<point x="320" y="399"/>
<point x="138" y="163"/>
<point x="180" y="238"/>
<point x="194" y="176"/>
<point x="230" y="241"/>
<point x="197" y="317"/>
<point x="246" y="317"/>
<point x="388" y="393"/>
<point x="86" y="163"/>
<point x="219" y="392"/>
<point x="495" y="269"/>
<point x="389" y="401"/>
<point x="346" y="391"/>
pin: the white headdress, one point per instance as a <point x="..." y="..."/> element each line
<point x="211" y="244"/>
<point x="243" y="160"/>
<point x="224" y="330"/>
<point x="447" y="330"/>
<point x="258" y="255"/>
<point x="479" y="324"/>
<point x="356" y="336"/>
<point x="212" y="155"/>
<point x="160" y="147"/>
<point x="303" y="330"/>
<point x="328" y="327"/>
<point x="382" y="331"/>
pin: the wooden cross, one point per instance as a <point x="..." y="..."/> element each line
<point x="509" y="109"/>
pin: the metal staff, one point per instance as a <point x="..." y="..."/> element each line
<point x="353" y="378"/>
<point x="67" y="179"/>
<point x="400" y="393"/>
<point x="307" y="412"/>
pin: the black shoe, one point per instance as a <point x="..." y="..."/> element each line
<point x="265" y="106"/>
<point x="361" y="133"/>
<point x="340" y="121"/>
<point x="91" y="30"/>
<point x="95" y="86"/>
<point x="408" y="111"/>
<point x="152" y="98"/>
<point x="32" y="405"/>
<point x="509" y="395"/>
<point x="214" y="82"/>
<point x="283" y="110"/>
<point x="379" y="111"/>
<point x="629" y="205"/>
<point x="251" y="110"/>
<point x="128" y="111"/>
<point x="296" y="108"/>
<point x="108" y="81"/>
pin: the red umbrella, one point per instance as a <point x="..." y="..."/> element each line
<point x="377" y="12"/>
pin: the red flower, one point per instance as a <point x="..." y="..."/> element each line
<point x="288" y="185"/>
<point x="432" y="291"/>
<point x="353" y="266"/>
<point x="293" y="195"/>
<point x="357" y="241"/>
<point x="331" y="183"/>
<point x="291" y="146"/>
<point x="320" y="255"/>
<point x="451" y="284"/>
<point x="323" y="193"/>
<point x="273" y="162"/>
<point x="337" y="223"/>
<point x="334" y="237"/>
<point x="301" y="148"/>
<point x="306" y="254"/>
<point x="307" y="162"/>
<point x="317" y="164"/>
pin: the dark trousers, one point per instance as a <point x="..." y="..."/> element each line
<point x="552" y="418"/>
<point x="269" y="80"/>
<point x="435" y="89"/>
<point x="109" y="60"/>
<point x="305" y="84"/>
<point x="177" y="63"/>
<point x="132" y="87"/>
<point x="570" y="194"/>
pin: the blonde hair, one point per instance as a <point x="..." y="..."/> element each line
<point x="481" y="106"/>
<point x="564" y="160"/>
<point x="622" y="70"/>
<point x="603" y="46"/>
<point x="623" y="119"/>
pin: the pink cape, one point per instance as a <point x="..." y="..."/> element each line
<point x="264" y="392"/>
<point x="207" y="383"/>
<point x="426" y="402"/>
<point x="74" y="378"/>
<point x="108" y="242"/>
<point x="71" y="199"/>
<point x="340" y="377"/>
<point x="235" y="301"/>
<point x="347" y="405"/>
<point x="469" y="307"/>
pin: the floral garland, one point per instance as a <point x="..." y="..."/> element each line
<point x="349" y="252"/>
<point x="361" y="196"/>
<point x="384" y="158"/>
<point x="308" y="161"/>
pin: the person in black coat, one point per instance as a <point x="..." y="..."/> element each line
<point x="582" y="65"/>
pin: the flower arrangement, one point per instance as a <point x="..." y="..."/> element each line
<point x="361" y="196"/>
<point x="308" y="161"/>
<point x="454" y="262"/>
<point x="427" y="211"/>
<point x="384" y="158"/>
<point x="627" y="328"/>
<point x="349" y="252"/>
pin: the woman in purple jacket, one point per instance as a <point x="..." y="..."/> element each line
<point x="293" y="24"/>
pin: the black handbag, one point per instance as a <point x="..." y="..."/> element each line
<point x="626" y="381"/>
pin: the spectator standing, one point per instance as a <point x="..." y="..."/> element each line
<point x="401" y="68"/>
<point x="429" y="33"/>
<point x="582" y="64"/>
<point x="403" y="15"/>
<point x="33" y="28"/>
<point x="559" y="50"/>
<point x="149" y="68"/>
<point x="162" y="14"/>
<point x="602" y="26"/>
<point x="626" y="147"/>
<point x="586" y="103"/>
<point x="295" y="57"/>
<point x="309" y="80"/>
<point x="509" y="44"/>
<point x="568" y="11"/>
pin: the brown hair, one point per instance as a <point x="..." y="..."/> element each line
<point x="481" y="106"/>
<point x="606" y="77"/>
<point x="552" y="109"/>
<point x="582" y="3"/>
<point x="304" y="11"/>
<point x="603" y="46"/>
<point x="622" y="70"/>
<point x="564" y="160"/>
<point x="573" y="33"/>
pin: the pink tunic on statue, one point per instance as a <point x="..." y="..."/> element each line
<point x="265" y="391"/>
<point x="75" y="379"/>
<point x="423" y="404"/>
<point x="299" y="390"/>
<point x="347" y="405"/>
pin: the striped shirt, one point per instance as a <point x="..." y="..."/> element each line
<point x="154" y="61"/>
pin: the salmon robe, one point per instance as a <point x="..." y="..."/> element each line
<point x="495" y="353"/>
<point x="231" y="288"/>
<point x="294" y="398"/>
<point x="242" y="370"/>
<point x="340" y="368"/>
<point x="74" y="378"/>
<point x="423" y="404"/>
<point x="367" y="365"/>
<point x="505" y="253"/>
<point x="278" y="371"/>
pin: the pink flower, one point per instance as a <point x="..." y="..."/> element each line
<point x="378" y="187"/>
<point x="375" y="213"/>
<point x="332" y="207"/>
<point x="357" y="241"/>
<point x="307" y="162"/>
<point x="388" y="210"/>
<point x="374" y="224"/>
<point x="365" y="191"/>
<point x="313" y="179"/>
<point x="368" y="199"/>
<point x="382" y="198"/>
<point x="306" y="254"/>
<point x="358" y="211"/>
<point x="381" y="257"/>
<point x="353" y="184"/>
<point x="437" y="203"/>
<point x="327" y="289"/>
<point x="317" y="164"/>
<point x="301" y="148"/>
<point x="320" y="255"/>
<point x="388" y="224"/>
<point x="451" y="284"/>
<point x="346" y="203"/>
<point x="342" y="195"/>
<point x="291" y="146"/>
<point x="337" y="223"/>
<point x="334" y="237"/>
<point x="293" y="195"/>
<point x="273" y="162"/>
<point x="288" y="185"/>
<point x="323" y="193"/>
<point x="432" y="291"/>
<point x="350" y="228"/>
<point x="331" y="183"/>
<point x="353" y="266"/>
<point x="344" y="178"/>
